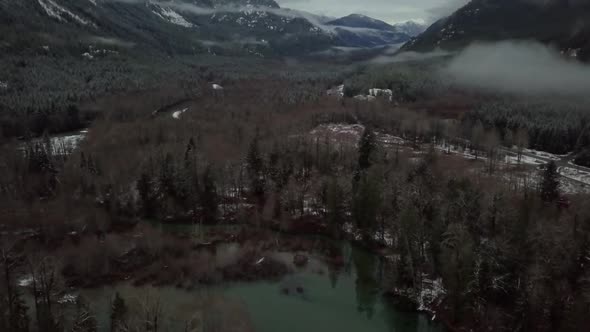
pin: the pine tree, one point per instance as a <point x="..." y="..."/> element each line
<point x="367" y="145"/>
<point x="550" y="183"/>
<point x="144" y="187"/>
<point x="334" y="198"/>
<point x="255" y="166"/>
<point x="83" y="321"/>
<point x="209" y="202"/>
<point x="367" y="202"/>
<point x="118" y="314"/>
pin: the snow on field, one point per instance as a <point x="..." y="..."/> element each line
<point x="389" y="140"/>
<point x="381" y="93"/>
<point x="575" y="174"/>
<point x="365" y="98"/>
<point x="171" y="16"/>
<point x="337" y="91"/>
<point x="339" y="132"/>
<point x="176" y="115"/>
<point x="452" y="149"/>
<point x="571" y="187"/>
<point x="344" y="133"/>
<point x="524" y="160"/>
<point x="56" y="11"/>
<point x="61" y="144"/>
<point x="545" y="155"/>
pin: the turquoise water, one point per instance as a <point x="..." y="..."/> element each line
<point x="319" y="299"/>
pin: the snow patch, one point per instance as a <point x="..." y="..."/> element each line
<point x="337" y="91"/>
<point x="25" y="281"/>
<point x="67" y="298"/>
<point x="216" y="87"/>
<point x="60" y="145"/>
<point x="176" y="115"/>
<point x="575" y="174"/>
<point x="58" y="12"/>
<point x="173" y="17"/>
<point x="381" y="93"/>
<point x="365" y="98"/>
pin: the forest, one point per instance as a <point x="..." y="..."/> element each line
<point x="424" y="181"/>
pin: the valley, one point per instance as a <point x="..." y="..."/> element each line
<point x="238" y="166"/>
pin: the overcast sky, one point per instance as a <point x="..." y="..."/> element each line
<point x="391" y="11"/>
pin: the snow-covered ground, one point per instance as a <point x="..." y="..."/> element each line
<point x="351" y="134"/>
<point x="176" y="114"/>
<point x="524" y="160"/>
<point x="62" y="144"/>
<point x="575" y="174"/>
<point x="545" y="155"/>
<point x="60" y="13"/>
<point x="365" y="98"/>
<point x="167" y="14"/>
<point x="381" y="93"/>
<point x="337" y="91"/>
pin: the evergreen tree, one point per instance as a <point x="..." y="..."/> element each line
<point x="83" y="321"/>
<point x="209" y="201"/>
<point x="334" y="198"/>
<point x="167" y="176"/>
<point x="144" y="187"/>
<point x="367" y="146"/>
<point x="255" y="165"/>
<point x="118" y="314"/>
<point x="367" y="202"/>
<point x="550" y="183"/>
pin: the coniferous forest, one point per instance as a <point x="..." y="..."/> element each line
<point x="180" y="189"/>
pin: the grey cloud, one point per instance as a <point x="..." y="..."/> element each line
<point x="527" y="68"/>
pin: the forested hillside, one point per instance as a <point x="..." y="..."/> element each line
<point x="563" y="24"/>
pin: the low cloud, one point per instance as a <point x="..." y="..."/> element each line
<point x="387" y="56"/>
<point x="111" y="41"/>
<point x="445" y="10"/>
<point x="527" y="68"/>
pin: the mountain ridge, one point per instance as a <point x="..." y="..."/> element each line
<point x="561" y="23"/>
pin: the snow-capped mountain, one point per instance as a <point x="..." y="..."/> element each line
<point x="564" y="24"/>
<point x="410" y="28"/>
<point x="362" y="31"/>
<point x="256" y="27"/>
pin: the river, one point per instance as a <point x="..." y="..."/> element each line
<point x="314" y="298"/>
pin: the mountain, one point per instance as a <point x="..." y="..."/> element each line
<point x="361" y="21"/>
<point x="362" y="31"/>
<point x="410" y="28"/>
<point x="257" y="27"/>
<point x="562" y="23"/>
<point x="222" y="27"/>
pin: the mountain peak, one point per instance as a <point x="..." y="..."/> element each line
<point x="361" y="21"/>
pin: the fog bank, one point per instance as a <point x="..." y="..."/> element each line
<point x="527" y="68"/>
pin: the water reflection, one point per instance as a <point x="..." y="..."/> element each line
<point x="366" y="286"/>
<point x="346" y="299"/>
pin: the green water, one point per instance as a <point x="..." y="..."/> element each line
<point x="320" y="299"/>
